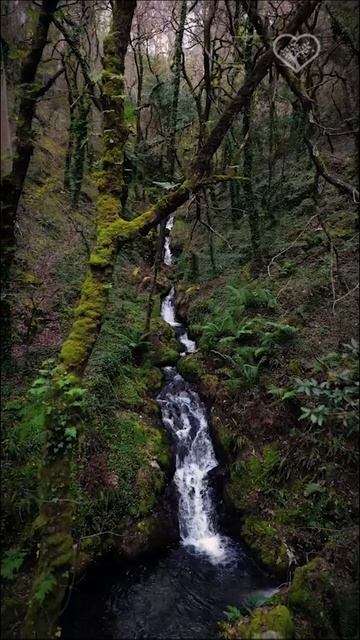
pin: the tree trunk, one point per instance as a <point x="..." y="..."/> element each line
<point x="80" y="134"/>
<point x="6" y="146"/>
<point x="272" y="126"/>
<point x="56" y="554"/>
<point x="176" y="89"/>
<point x="250" y="204"/>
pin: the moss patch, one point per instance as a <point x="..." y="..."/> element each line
<point x="264" y="540"/>
<point x="191" y="367"/>
<point x="273" y="623"/>
<point x="312" y="594"/>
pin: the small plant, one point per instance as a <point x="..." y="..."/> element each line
<point x="281" y="393"/>
<point x="233" y="614"/>
<point x="252" y="298"/>
<point x="44" y="586"/>
<point x="311" y="488"/>
<point x="288" y="268"/>
<point x="250" y="373"/>
<point x="11" y="562"/>
<point x="253" y="601"/>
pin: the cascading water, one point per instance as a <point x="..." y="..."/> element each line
<point x="184" y="415"/>
<point x="182" y="592"/>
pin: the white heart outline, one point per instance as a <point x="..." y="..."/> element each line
<point x="291" y="66"/>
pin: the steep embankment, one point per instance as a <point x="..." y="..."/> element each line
<point x="277" y="364"/>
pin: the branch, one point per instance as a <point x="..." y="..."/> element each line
<point x="91" y="85"/>
<point x="40" y="92"/>
<point x="205" y="182"/>
<point x="344" y="296"/>
<point x="331" y="178"/>
<point x="307" y="104"/>
<point x="216" y="233"/>
<point x="290" y="245"/>
<point x="200" y="167"/>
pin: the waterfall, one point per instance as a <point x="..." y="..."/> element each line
<point x="184" y="416"/>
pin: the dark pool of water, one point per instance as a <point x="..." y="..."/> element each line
<point x="175" y="595"/>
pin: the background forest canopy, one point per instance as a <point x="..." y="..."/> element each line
<point x="115" y="115"/>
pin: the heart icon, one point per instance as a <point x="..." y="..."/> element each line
<point x="298" y="51"/>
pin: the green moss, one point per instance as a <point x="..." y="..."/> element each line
<point x="266" y="622"/>
<point x="165" y="356"/>
<point x="264" y="540"/>
<point x="312" y="594"/>
<point x="342" y="232"/>
<point x="254" y="475"/>
<point x="191" y="367"/>
<point x="210" y="384"/>
<point x="295" y="367"/>
<point x="163" y="344"/>
<point x="276" y="620"/>
<point x="129" y="395"/>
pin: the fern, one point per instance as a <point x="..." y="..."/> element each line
<point x="44" y="587"/>
<point x="253" y="601"/>
<point x="252" y="298"/>
<point x="11" y="562"/>
<point x="233" y="614"/>
<point x="250" y="373"/>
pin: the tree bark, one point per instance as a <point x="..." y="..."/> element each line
<point x="176" y="89"/>
<point x="56" y="553"/>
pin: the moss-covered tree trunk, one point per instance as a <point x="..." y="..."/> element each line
<point x="176" y="89"/>
<point x="80" y="134"/>
<point x="62" y="422"/>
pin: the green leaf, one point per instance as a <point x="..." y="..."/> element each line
<point x="11" y="562"/>
<point x="44" y="587"/>
<point x="166" y="185"/>
<point x="40" y="382"/>
<point x="71" y="432"/>
<point x="311" y="488"/>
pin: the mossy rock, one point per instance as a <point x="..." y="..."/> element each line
<point x="312" y="595"/>
<point x="224" y="437"/>
<point x="263" y="539"/>
<point x="210" y="386"/>
<point x="148" y="534"/>
<point x="154" y="378"/>
<point x="191" y="367"/>
<point x="273" y="623"/>
<point x="164" y="356"/>
<point x="164" y="349"/>
<point x="227" y="345"/>
<point x="127" y="477"/>
<point x="131" y="395"/>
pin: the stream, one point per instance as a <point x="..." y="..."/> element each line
<point x="182" y="592"/>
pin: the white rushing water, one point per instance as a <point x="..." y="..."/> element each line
<point x="184" y="415"/>
<point x="167" y="250"/>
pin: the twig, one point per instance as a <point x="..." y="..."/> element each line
<point x="208" y="226"/>
<point x="344" y="296"/>
<point x="290" y="245"/>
